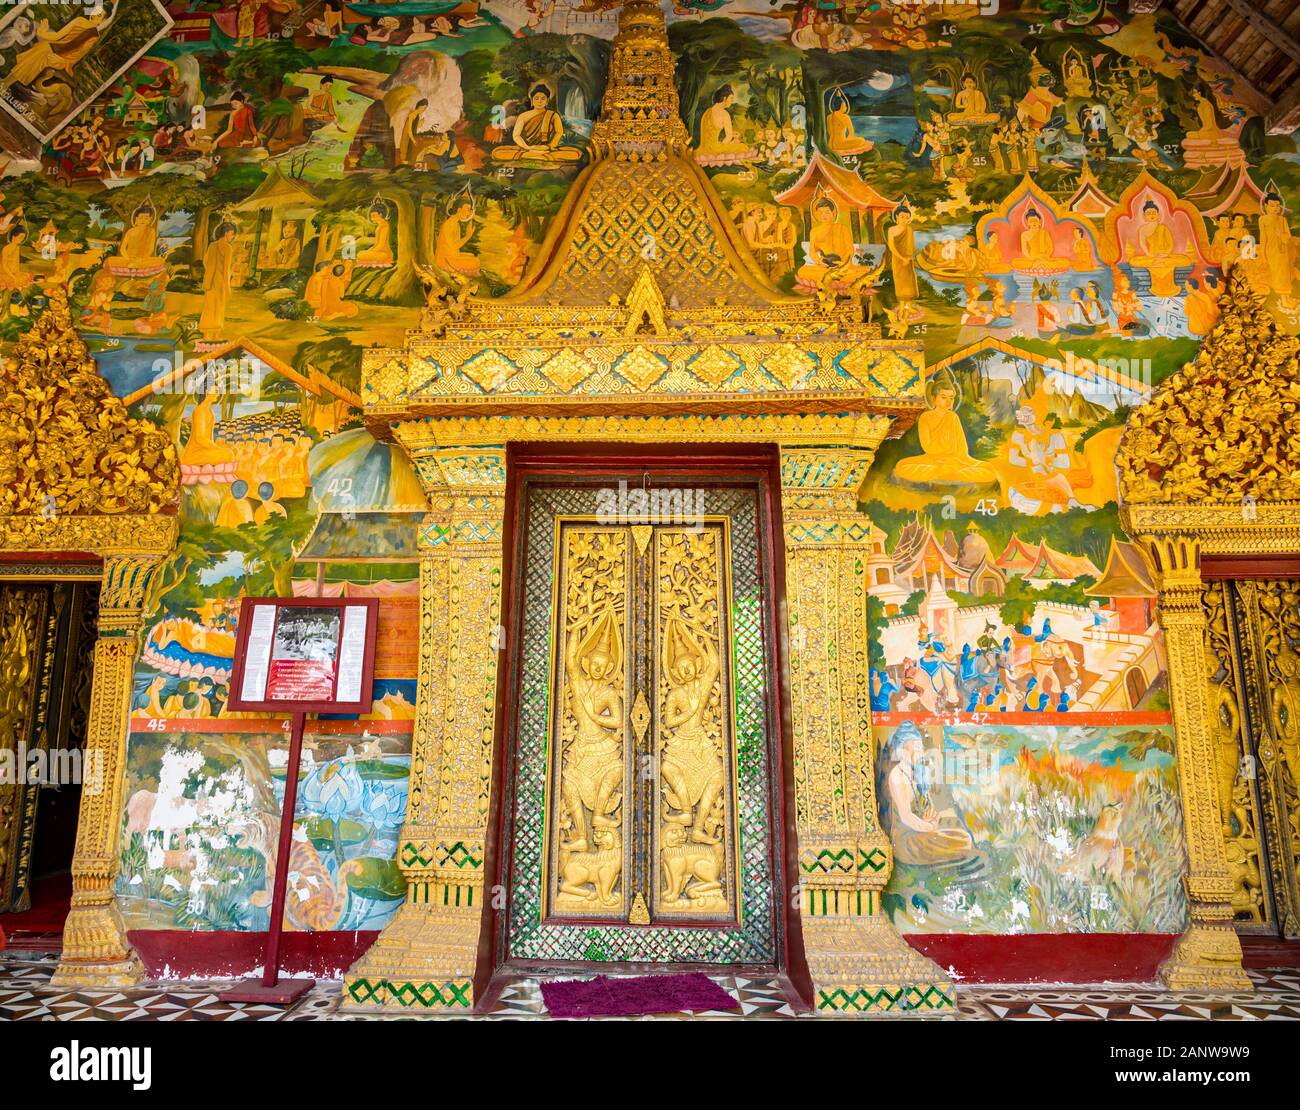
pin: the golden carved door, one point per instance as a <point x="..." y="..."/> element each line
<point x="46" y="630"/>
<point x="1253" y="642"/>
<point x="643" y="785"/>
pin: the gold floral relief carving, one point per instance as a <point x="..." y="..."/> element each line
<point x="694" y="821"/>
<point x="587" y="809"/>
<point x="1227" y="425"/>
<point x="67" y="445"/>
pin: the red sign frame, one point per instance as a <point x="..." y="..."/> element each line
<point x="307" y="673"/>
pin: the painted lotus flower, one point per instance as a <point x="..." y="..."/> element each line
<point x="334" y="789"/>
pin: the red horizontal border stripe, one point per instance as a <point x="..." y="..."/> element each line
<point x="1054" y="720"/>
<point x="141" y="726"/>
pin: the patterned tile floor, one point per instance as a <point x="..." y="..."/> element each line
<point x="26" y="995"/>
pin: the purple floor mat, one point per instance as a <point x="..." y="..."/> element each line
<point x="626" y="997"/>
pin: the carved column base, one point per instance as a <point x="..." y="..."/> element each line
<point x="423" y="962"/>
<point x="861" y="967"/>
<point x="95" y="952"/>
<point x="1206" y="958"/>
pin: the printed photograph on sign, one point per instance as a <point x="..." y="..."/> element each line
<point x="57" y="58"/>
<point x="304" y="655"/>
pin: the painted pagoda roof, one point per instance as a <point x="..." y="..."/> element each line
<point x="1127" y="573"/>
<point x="276" y="190"/>
<point x="1017" y="555"/>
<point x="319" y="385"/>
<point x="1088" y="199"/>
<point x="1232" y="190"/>
<point x="919" y="547"/>
<point x="823" y="174"/>
<point x="354" y="537"/>
<point x="1058" y="565"/>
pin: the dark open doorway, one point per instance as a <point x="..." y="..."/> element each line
<point x="47" y="638"/>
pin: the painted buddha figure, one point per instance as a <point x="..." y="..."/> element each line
<point x="1037" y="249"/>
<point x="1155" y="252"/>
<point x="970" y="106"/>
<point x="842" y="139"/>
<point x="1075" y="75"/>
<point x="1211" y="144"/>
<point x="380" y="252"/>
<point x="718" y="144"/>
<point x="538" y="134"/>
<point x="944" y="457"/>
<point x="830" y="248"/>
<point x="1277" y="248"/>
<point x="137" y="252"/>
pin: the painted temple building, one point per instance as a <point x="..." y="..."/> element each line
<point x="827" y="476"/>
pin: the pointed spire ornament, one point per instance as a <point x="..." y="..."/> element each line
<point x="640" y="118"/>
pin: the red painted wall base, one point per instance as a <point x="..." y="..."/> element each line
<point x="1047" y="957"/>
<point x="180" y="954"/>
<point x="971" y="958"/>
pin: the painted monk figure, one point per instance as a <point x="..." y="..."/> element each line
<point x="218" y="263"/>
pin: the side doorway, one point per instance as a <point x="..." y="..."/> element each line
<point x="1253" y="659"/>
<point x="47" y="640"/>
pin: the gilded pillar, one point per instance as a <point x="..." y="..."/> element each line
<point x="857" y="962"/>
<point x="424" y="960"/>
<point x="95" y="950"/>
<point x="1208" y="955"/>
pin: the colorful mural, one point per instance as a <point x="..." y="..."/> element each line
<point x="1004" y="827"/>
<point x="240" y="201"/>
<point x="203" y="817"/>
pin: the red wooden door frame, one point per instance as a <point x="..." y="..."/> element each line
<point x="759" y="464"/>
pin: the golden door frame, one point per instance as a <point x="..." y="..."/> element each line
<point x="642" y="319"/>
<point x="1209" y="468"/>
<point x="70" y="495"/>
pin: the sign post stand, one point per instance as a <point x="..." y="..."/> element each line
<point x="272" y="989"/>
<point x="298" y="655"/>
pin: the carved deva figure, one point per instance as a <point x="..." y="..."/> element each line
<point x="692" y="770"/>
<point x="592" y="775"/>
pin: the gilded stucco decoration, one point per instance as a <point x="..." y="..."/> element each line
<point x="1210" y="465"/>
<point x="80" y="476"/>
<point x="644" y="318"/>
<point x="1226" y="426"/>
<point x="67" y="445"/>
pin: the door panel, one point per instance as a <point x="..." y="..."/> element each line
<point x="694" y="727"/>
<point x="640" y="787"/>
<point x="1253" y="638"/>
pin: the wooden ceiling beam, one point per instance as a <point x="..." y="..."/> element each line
<point x="1284" y="117"/>
<point x="1275" y="35"/>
